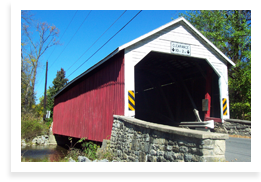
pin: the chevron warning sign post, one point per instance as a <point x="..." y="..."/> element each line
<point x="131" y="99"/>
<point x="224" y="100"/>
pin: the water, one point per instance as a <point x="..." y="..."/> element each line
<point x="39" y="153"/>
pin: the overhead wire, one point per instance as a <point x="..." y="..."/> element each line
<point x="64" y="33"/>
<point x="96" y="40"/>
<point x="105" y="43"/>
<point x="72" y="37"/>
<point x="60" y="39"/>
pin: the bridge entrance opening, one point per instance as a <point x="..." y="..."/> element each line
<point x="168" y="88"/>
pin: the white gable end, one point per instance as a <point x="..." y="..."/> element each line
<point x="160" y="41"/>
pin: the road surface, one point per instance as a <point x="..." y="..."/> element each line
<point x="238" y="150"/>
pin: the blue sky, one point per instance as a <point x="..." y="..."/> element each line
<point x="70" y="54"/>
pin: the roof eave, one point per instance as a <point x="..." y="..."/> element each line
<point x="210" y="43"/>
<point x="144" y="37"/>
<point x="170" y="24"/>
<point x="89" y="70"/>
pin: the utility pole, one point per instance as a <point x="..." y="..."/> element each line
<point x="45" y="90"/>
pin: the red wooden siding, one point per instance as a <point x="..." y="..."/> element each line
<point x="86" y="108"/>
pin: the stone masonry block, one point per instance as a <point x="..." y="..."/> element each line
<point x="207" y="142"/>
<point x="183" y="149"/>
<point x="159" y="141"/>
<point x="169" y="148"/>
<point x="205" y="152"/>
<point x="152" y="158"/>
<point x="160" y="153"/>
<point x="130" y="141"/>
<point x="178" y="156"/>
<point x="169" y="156"/>
<point x="220" y="147"/>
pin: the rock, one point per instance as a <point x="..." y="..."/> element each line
<point x="104" y="160"/>
<point x="160" y="153"/>
<point x="46" y="142"/>
<point x="168" y="156"/>
<point x="119" y="153"/>
<point x="43" y="138"/>
<point x="34" y="141"/>
<point x="183" y="149"/>
<point x="23" y="143"/>
<point x="39" y="140"/>
<point x="188" y="157"/>
<point x="71" y="160"/>
<point x="153" y="152"/>
<point x="83" y="159"/>
<point x="169" y="147"/>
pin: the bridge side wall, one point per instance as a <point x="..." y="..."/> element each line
<point x="86" y="107"/>
<point x="135" y="140"/>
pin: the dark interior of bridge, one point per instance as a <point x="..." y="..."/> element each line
<point x="168" y="87"/>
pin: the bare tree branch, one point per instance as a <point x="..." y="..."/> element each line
<point x="38" y="46"/>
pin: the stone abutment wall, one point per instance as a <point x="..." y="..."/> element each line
<point x="134" y="140"/>
<point x="234" y="127"/>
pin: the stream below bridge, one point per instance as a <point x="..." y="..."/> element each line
<point x="37" y="153"/>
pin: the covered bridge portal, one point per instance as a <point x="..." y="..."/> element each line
<point x="161" y="77"/>
<point x="169" y="87"/>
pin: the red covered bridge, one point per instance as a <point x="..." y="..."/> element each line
<point x="159" y="77"/>
<point x="85" y="108"/>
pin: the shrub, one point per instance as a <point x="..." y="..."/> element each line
<point x="31" y="126"/>
<point x="90" y="149"/>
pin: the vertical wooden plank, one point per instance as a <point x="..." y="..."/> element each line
<point x="86" y="108"/>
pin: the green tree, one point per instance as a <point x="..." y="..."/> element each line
<point x="240" y="91"/>
<point x="230" y="31"/>
<point x="58" y="83"/>
<point x="32" y="49"/>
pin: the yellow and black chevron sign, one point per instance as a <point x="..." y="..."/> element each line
<point x="131" y="98"/>
<point x="224" y="100"/>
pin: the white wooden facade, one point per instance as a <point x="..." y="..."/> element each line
<point x="181" y="31"/>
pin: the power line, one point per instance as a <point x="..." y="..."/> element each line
<point x="71" y="38"/>
<point x="97" y="39"/>
<point x="64" y="33"/>
<point x="105" y="43"/>
<point x="60" y="39"/>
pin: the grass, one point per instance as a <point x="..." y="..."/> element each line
<point x="32" y="126"/>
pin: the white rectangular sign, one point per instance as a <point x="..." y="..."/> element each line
<point x="48" y="114"/>
<point x="179" y="48"/>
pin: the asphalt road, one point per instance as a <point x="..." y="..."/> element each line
<point x="238" y="150"/>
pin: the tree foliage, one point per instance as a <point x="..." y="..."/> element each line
<point x="58" y="83"/>
<point x="230" y="31"/>
<point x="240" y="91"/>
<point x="32" y="48"/>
